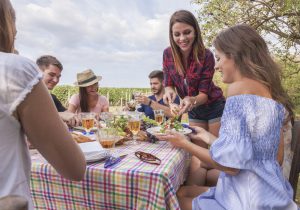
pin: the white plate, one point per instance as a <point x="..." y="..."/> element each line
<point x="156" y="130"/>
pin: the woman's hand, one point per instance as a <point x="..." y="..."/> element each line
<point x="174" y="108"/>
<point x="199" y="135"/>
<point x="175" y="138"/>
<point x="186" y="104"/>
<point x="170" y="95"/>
<point x="202" y="135"/>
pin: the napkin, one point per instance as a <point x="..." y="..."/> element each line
<point x="93" y="151"/>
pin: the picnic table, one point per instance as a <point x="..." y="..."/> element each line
<point x="131" y="184"/>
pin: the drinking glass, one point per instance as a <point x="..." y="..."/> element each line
<point x="137" y="94"/>
<point x="134" y="125"/>
<point x="107" y="137"/>
<point x="87" y="120"/>
<point x="106" y="117"/>
<point x="159" y="116"/>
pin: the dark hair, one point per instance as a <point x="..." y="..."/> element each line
<point x="7" y="26"/>
<point x="83" y="98"/>
<point x="46" y="60"/>
<point x="184" y="16"/>
<point x="252" y="57"/>
<point x="157" y="74"/>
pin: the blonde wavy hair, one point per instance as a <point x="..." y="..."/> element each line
<point x="251" y="55"/>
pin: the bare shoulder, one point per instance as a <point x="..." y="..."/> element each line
<point x="248" y="86"/>
<point x="236" y="88"/>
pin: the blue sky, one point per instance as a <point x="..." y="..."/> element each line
<point x="120" y="40"/>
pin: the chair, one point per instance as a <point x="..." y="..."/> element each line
<point x="295" y="168"/>
<point x="13" y="202"/>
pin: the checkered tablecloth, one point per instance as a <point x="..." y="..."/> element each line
<point x="131" y="184"/>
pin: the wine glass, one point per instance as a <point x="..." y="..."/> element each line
<point x="159" y="116"/>
<point x="137" y="94"/>
<point x="107" y="137"/>
<point x="107" y="117"/>
<point x="134" y="125"/>
<point x="87" y="121"/>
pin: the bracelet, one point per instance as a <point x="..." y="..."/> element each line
<point x="150" y="102"/>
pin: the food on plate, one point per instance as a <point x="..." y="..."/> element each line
<point x="80" y="138"/>
<point x="147" y="123"/>
<point x="172" y="123"/>
<point x="174" y="108"/>
<point x="120" y="123"/>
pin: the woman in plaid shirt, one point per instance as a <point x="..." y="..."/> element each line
<point x="189" y="68"/>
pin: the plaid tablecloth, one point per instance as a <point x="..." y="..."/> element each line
<point x="131" y="184"/>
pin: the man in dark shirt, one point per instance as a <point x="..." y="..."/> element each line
<point x="155" y="101"/>
<point x="51" y="68"/>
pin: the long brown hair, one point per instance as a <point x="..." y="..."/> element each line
<point x="83" y="98"/>
<point x="184" y="16"/>
<point x="7" y="26"/>
<point x="252" y="57"/>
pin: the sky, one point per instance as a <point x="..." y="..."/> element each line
<point x="121" y="40"/>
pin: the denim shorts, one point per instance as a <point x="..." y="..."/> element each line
<point x="207" y="113"/>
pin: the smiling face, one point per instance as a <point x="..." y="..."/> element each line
<point x="183" y="36"/>
<point x="227" y="67"/>
<point x="51" y="76"/>
<point x="92" y="89"/>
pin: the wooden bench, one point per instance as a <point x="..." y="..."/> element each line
<point x="295" y="168"/>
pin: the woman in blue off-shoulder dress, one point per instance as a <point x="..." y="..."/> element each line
<point x="249" y="149"/>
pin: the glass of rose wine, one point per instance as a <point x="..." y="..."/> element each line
<point x="159" y="116"/>
<point x="87" y="121"/>
<point x="134" y="125"/>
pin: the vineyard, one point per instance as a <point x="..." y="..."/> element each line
<point x="119" y="96"/>
<point x="116" y="96"/>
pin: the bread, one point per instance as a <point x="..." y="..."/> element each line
<point x="80" y="138"/>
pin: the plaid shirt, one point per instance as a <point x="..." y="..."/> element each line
<point x="198" y="77"/>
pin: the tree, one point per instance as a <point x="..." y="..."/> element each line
<point x="278" y="21"/>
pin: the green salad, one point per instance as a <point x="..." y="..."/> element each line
<point x="172" y="123"/>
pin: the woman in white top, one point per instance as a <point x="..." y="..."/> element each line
<point x="26" y="108"/>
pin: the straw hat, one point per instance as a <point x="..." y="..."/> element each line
<point x="87" y="78"/>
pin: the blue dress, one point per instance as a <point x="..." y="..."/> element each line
<point x="249" y="141"/>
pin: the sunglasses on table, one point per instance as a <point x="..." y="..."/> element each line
<point x="147" y="157"/>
